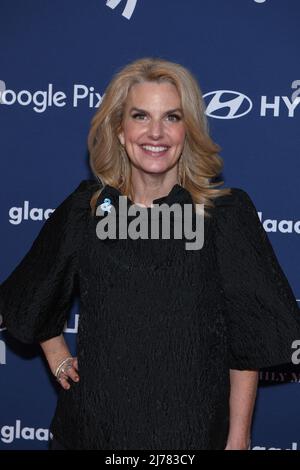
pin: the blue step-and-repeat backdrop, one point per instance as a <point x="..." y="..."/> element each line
<point x="56" y="59"/>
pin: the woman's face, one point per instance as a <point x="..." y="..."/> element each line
<point x="153" y="131"/>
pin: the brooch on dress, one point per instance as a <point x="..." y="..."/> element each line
<point x="106" y="205"/>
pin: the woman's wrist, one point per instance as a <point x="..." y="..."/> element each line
<point x="238" y="443"/>
<point x="55" y="351"/>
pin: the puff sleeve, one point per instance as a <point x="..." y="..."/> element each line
<point x="35" y="299"/>
<point x="262" y="315"/>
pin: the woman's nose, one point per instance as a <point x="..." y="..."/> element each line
<point x="155" y="130"/>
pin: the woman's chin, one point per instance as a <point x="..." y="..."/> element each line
<point x="156" y="167"/>
<point x="155" y="170"/>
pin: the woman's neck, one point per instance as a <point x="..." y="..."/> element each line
<point x="146" y="188"/>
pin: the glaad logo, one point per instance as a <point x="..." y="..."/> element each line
<point x="283" y="226"/>
<point x="227" y="104"/>
<point x="129" y="7"/>
<point x="2" y="352"/>
<point x="74" y="328"/>
<point x="294" y="447"/>
<point x="2" y="89"/>
<point x="9" y="433"/>
<point x="18" y="214"/>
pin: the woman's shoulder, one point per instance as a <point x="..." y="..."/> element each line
<point x="236" y="198"/>
<point x="87" y="186"/>
<point x="75" y="206"/>
<point x="235" y="209"/>
<point x="81" y="195"/>
<point x="236" y="212"/>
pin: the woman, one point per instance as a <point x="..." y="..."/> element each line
<point x="170" y="340"/>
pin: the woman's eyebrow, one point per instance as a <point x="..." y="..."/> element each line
<point x="170" y="111"/>
<point x="176" y="110"/>
<point x="137" y="110"/>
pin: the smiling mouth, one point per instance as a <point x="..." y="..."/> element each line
<point x="155" y="150"/>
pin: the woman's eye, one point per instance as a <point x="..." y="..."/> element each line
<point x="173" y="117"/>
<point x="139" y="116"/>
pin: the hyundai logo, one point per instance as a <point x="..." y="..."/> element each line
<point x="227" y="104"/>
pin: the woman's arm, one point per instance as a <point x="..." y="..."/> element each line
<point x="243" y="388"/>
<point x="56" y="351"/>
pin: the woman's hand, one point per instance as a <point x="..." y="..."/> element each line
<point x="62" y="365"/>
<point x="67" y="370"/>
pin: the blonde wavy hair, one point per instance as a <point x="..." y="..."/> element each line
<point x="199" y="163"/>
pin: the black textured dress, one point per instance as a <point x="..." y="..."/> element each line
<point x="160" y="326"/>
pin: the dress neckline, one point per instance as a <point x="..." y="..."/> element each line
<point x="177" y="194"/>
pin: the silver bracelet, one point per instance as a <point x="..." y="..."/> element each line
<point x="60" y="366"/>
